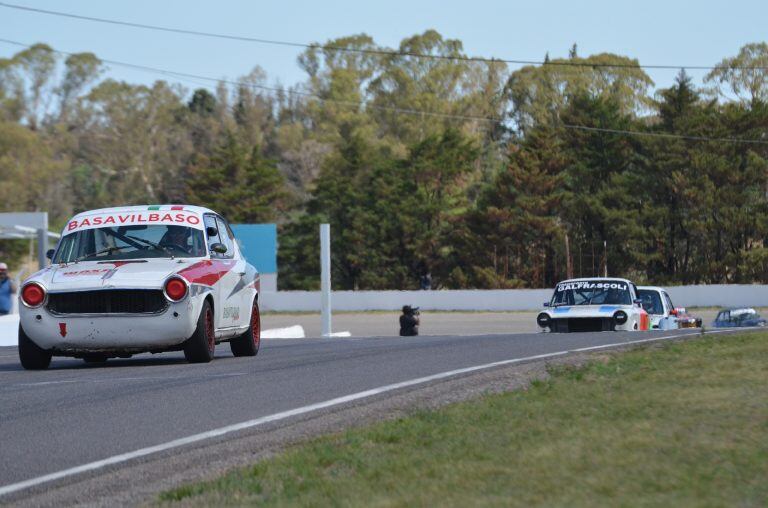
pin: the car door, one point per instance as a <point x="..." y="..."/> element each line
<point x="669" y="321"/>
<point x="236" y="312"/>
<point x="667" y="303"/>
<point x="216" y="266"/>
<point x="247" y="286"/>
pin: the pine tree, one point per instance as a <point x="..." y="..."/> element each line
<point x="241" y="185"/>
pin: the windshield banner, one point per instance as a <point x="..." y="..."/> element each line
<point x="591" y="285"/>
<point x="170" y="218"/>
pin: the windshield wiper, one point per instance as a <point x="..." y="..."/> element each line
<point x="153" y="244"/>
<point x="108" y="250"/>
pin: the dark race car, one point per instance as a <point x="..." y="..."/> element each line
<point x="739" y="317"/>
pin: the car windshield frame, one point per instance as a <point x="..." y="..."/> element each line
<point x="591" y="292"/>
<point x="125" y="243"/>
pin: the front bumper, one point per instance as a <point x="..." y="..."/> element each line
<point x="583" y="324"/>
<point x="126" y="333"/>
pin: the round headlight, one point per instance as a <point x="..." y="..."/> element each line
<point x="175" y="289"/>
<point x="543" y="320"/>
<point x="620" y="317"/>
<point x="32" y="294"/>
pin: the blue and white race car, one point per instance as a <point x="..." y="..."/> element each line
<point x="592" y="305"/>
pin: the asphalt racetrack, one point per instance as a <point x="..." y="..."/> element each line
<point x="75" y="414"/>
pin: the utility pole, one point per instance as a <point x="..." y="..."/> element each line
<point x="605" y="253"/>
<point x="325" y="278"/>
<point x="568" y="263"/>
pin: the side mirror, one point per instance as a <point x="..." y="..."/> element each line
<point x="219" y="248"/>
<point x="211" y="231"/>
<point x="546" y="304"/>
<point x="638" y="301"/>
<point x="673" y="312"/>
<point x="50" y="253"/>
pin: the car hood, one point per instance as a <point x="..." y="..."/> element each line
<point x="574" y="311"/>
<point x="85" y="275"/>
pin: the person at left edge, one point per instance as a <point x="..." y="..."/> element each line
<point x="7" y="287"/>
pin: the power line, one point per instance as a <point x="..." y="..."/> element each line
<point x="379" y="52"/>
<point x="309" y="95"/>
<point x="665" y="135"/>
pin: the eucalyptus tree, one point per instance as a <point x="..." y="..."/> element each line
<point x="80" y="71"/>
<point x="744" y="75"/>
<point x="415" y="97"/>
<point x="539" y="94"/>
<point x="131" y="138"/>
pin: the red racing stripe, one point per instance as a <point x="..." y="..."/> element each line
<point x="256" y="284"/>
<point x="207" y="272"/>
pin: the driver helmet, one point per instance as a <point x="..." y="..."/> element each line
<point x="176" y="234"/>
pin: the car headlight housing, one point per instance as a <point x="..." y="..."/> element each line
<point x="543" y="320"/>
<point x="620" y="317"/>
<point x="32" y="295"/>
<point x="175" y="289"/>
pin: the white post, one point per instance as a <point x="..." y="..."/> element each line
<point x="325" y="278"/>
<point x="42" y="242"/>
<point x="42" y="248"/>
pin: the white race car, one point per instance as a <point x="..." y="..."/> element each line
<point x="658" y="305"/>
<point x="593" y="305"/>
<point x="140" y="279"/>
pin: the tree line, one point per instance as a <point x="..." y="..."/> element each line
<point x="481" y="177"/>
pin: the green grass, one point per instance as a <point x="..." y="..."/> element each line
<point x="681" y="425"/>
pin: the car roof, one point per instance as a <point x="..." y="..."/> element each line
<point x="651" y="288"/>
<point x="584" y="279"/>
<point x="144" y="208"/>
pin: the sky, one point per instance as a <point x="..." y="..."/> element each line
<point x="656" y="32"/>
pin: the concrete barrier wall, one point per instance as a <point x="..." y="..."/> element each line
<point x="495" y="300"/>
<point x="720" y="295"/>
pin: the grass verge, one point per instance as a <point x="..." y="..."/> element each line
<point x="683" y="424"/>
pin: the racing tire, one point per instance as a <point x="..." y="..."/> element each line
<point x="95" y="358"/>
<point x="32" y="356"/>
<point x="200" y="347"/>
<point x="248" y="343"/>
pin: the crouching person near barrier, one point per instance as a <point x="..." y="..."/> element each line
<point x="409" y="321"/>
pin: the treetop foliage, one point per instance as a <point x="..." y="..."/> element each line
<point x="464" y="170"/>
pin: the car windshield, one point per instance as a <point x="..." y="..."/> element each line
<point x="743" y="314"/>
<point x="592" y="292"/>
<point x="651" y="301"/>
<point x="131" y="242"/>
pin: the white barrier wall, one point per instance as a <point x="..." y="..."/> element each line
<point x="720" y="295"/>
<point x="495" y="300"/>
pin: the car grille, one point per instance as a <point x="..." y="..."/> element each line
<point x="582" y="325"/>
<point x="108" y="301"/>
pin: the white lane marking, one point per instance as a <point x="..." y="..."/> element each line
<point x="120" y="379"/>
<point x="44" y="383"/>
<point x="143" y="452"/>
